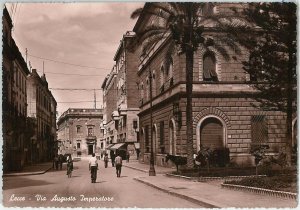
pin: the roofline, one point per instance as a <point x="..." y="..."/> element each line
<point x="6" y="14"/>
<point x="104" y="82"/>
<point x="141" y="17"/>
<point x="126" y="35"/>
<point x="65" y="114"/>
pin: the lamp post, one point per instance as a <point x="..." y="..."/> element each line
<point x="152" y="169"/>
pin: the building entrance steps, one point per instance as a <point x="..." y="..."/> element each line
<point x="35" y="169"/>
<point x="211" y="195"/>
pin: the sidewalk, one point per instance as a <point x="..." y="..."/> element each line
<point x="134" y="164"/>
<point x="207" y="194"/>
<point x="36" y="169"/>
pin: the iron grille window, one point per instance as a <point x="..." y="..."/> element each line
<point x="259" y="129"/>
<point x="161" y="133"/>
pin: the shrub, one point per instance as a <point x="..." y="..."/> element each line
<point x="272" y="183"/>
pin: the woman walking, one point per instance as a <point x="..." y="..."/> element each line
<point x="106" y="160"/>
<point x="69" y="166"/>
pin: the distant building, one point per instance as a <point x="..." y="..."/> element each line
<point x="14" y="101"/>
<point x="109" y="87"/>
<point x="42" y="110"/>
<point x="79" y="131"/>
<point x="121" y="114"/>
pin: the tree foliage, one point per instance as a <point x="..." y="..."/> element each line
<point x="272" y="63"/>
<point x="272" y="57"/>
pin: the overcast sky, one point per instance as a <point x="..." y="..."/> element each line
<point x="85" y="34"/>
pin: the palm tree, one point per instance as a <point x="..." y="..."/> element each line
<point x="186" y="25"/>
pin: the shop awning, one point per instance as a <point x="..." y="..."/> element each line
<point x="117" y="146"/>
<point x="109" y="146"/>
<point x="137" y="145"/>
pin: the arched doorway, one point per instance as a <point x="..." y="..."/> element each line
<point x="212" y="133"/>
<point x="172" y="137"/>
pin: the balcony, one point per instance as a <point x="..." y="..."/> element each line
<point x="90" y="137"/>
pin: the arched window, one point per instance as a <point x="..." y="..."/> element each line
<point x="171" y="68"/>
<point x="153" y="84"/>
<point x="162" y="72"/>
<point x="147" y="89"/>
<point x="209" y="67"/>
<point x="142" y="91"/>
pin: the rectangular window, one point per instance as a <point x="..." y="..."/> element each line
<point x="259" y="129"/>
<point x="90" y="132"/>
<point x="135" y="124"/>
<point x="161" y="133"/>
<point x="17" y="76"/>
<point x="78" y="145"/>
<point x="78" y="129"/>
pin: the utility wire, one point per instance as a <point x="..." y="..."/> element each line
<point x="85" y="75"/>
<point x="71" y="89"/>
<point x="76" y="101"/>
<point x="83" y="66"/>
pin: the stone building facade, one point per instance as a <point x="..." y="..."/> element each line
<point x="14" y="101"/>
<point x="223" y="116"/>
<point x="123" y="124"/>
<point x="42" y="110"/>
<point x="109" y="88"/>
<point x="79" y="132"/>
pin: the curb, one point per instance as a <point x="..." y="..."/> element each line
<point x="195" y="179"/>
<point x="142" y="170"/>
<point x="205" y="203"/>
<point x="263" y="191"/>
<point x="26" y="173"/>
<point x="135" y="168"/>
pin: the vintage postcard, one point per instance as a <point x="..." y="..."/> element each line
<point x="149" y="105"/>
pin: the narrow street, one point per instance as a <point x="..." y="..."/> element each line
<point x="123" y="191"/>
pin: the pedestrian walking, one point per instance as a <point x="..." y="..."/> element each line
<point x="127" y="156"/>
<point x="60" y="161"/>
<point x="112" y="156"/>
<point x="93" y="167"/>
<point x="137" y="153"/>
<point x="56" y="162"/>
<point x="106" y="160"/>
<point x="118" y="165"/>
<point x="69" y="166"/>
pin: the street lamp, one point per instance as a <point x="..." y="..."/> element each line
<point x="152" y="169"/>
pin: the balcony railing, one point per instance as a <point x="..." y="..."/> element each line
<point x="90" y="137"/>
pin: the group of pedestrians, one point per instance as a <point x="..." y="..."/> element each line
<point x="58" y="161"/>
<point x="116" y="161"/>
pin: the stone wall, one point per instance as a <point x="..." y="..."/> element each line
<point x="234" y="113"/>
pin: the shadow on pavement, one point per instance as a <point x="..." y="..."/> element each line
<point x="100" y="182"/>
<point x="23" y="182"/>
<point x="75" y="176"/>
